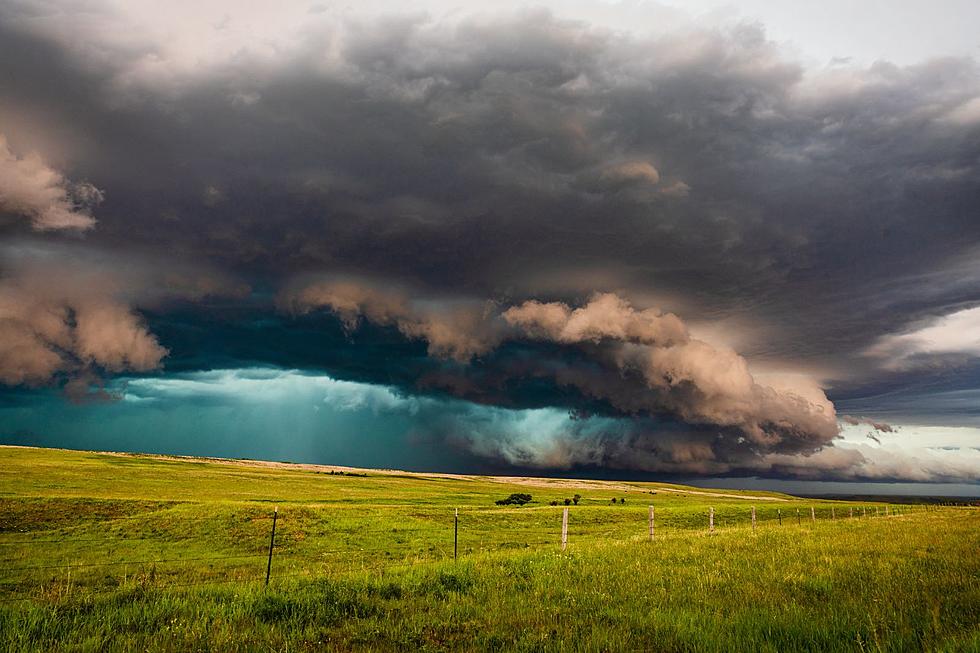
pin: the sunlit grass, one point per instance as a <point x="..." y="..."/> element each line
<point x="366" y="562"/>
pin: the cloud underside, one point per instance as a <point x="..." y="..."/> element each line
<point x="635" y="362"/>
<point x="687" y="232"/>
<point x="32" y="189"/>
<point x="673" y="451"/>
<point x="490" y="438"/>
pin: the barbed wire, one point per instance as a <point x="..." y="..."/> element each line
<point x="526" y="536"/>
<point x="114" y="563"/>
<point x="406" y="549"/>
<point x="466" y="519"/>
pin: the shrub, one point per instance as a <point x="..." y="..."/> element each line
<point x="576" y="498"/>
<point x="568" y="502"/>
<point x="553" y="503"/>
<point x="516" y="499"/>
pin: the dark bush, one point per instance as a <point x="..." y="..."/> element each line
<point x="568" y="502"/>
<point x="516" y="499"/>
<point x="576" y="498"/>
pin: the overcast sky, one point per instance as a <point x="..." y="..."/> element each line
<point x="680" y="240"/>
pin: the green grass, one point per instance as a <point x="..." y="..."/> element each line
<point x="366" y="563"/>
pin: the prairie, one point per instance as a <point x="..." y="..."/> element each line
<point x="120" y="552"/>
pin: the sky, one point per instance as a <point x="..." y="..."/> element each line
<point x="731" y="243"/>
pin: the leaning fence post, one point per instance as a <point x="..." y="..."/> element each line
<point x="564" y="528"/>
<point x="813" y="514"/>
<point x="753" y="517"/>
<point x="711" y="520"/>
<point x="832" y="515"/>
<point x="455" y="533"/>
<point x="779" y="515"/>
<point x="651" y="523"/>
<point x="272" y="543"/>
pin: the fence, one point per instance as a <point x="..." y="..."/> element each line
<point x="259" y="549"/>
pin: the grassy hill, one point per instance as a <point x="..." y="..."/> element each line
<point x="108" y="551"/>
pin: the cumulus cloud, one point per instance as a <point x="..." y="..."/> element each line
<point x="684" y="377"/>
<point x="73" y="313"/>
<point x="606" y="316"/>
<point x="30" y="188"/>
<point x="54" y="321"/>
<point x="476" y="154"/>
<point x="636" y="362"/>
<point x="454" y="330"/>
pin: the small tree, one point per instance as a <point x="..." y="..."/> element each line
<point x="568" y="502"/>
<point x="516" y="499"/>
<point x="576" y="498"/>
<point x="614" y="499"/>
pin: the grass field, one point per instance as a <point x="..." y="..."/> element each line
<point x="120" y="552"/>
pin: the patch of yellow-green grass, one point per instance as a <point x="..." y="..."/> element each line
<point x="107" y="552"/>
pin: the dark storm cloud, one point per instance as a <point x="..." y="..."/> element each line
<point x="71" y="311"/>
<point x="500" y="159"/>
<point x="635" y="362"/>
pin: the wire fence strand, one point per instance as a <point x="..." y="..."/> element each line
<point x="417" y="542"/>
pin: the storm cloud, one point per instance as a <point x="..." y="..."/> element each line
<point x="30" y="188"/>
<point x="635" y="362"/>
<point x="685" y="236"/>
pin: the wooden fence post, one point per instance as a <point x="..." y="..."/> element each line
<point x="711" y="520"/>
<point x="651" y="523"/>
<point x="272" y="543"/>
<point x="832" y="515"/>
<point x="813" y="514"/>
<point x="455" y="533"/>
<point x="753" y="517"/>
<point x="851" y="510"/>
<point x="564" y="528"/>
<point x="798" y="520"/>
<point x="779" y="515"/>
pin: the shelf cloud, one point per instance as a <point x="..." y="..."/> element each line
<point x="705" y="249"/>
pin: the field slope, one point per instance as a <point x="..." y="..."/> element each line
<point x="102" y="551"/>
